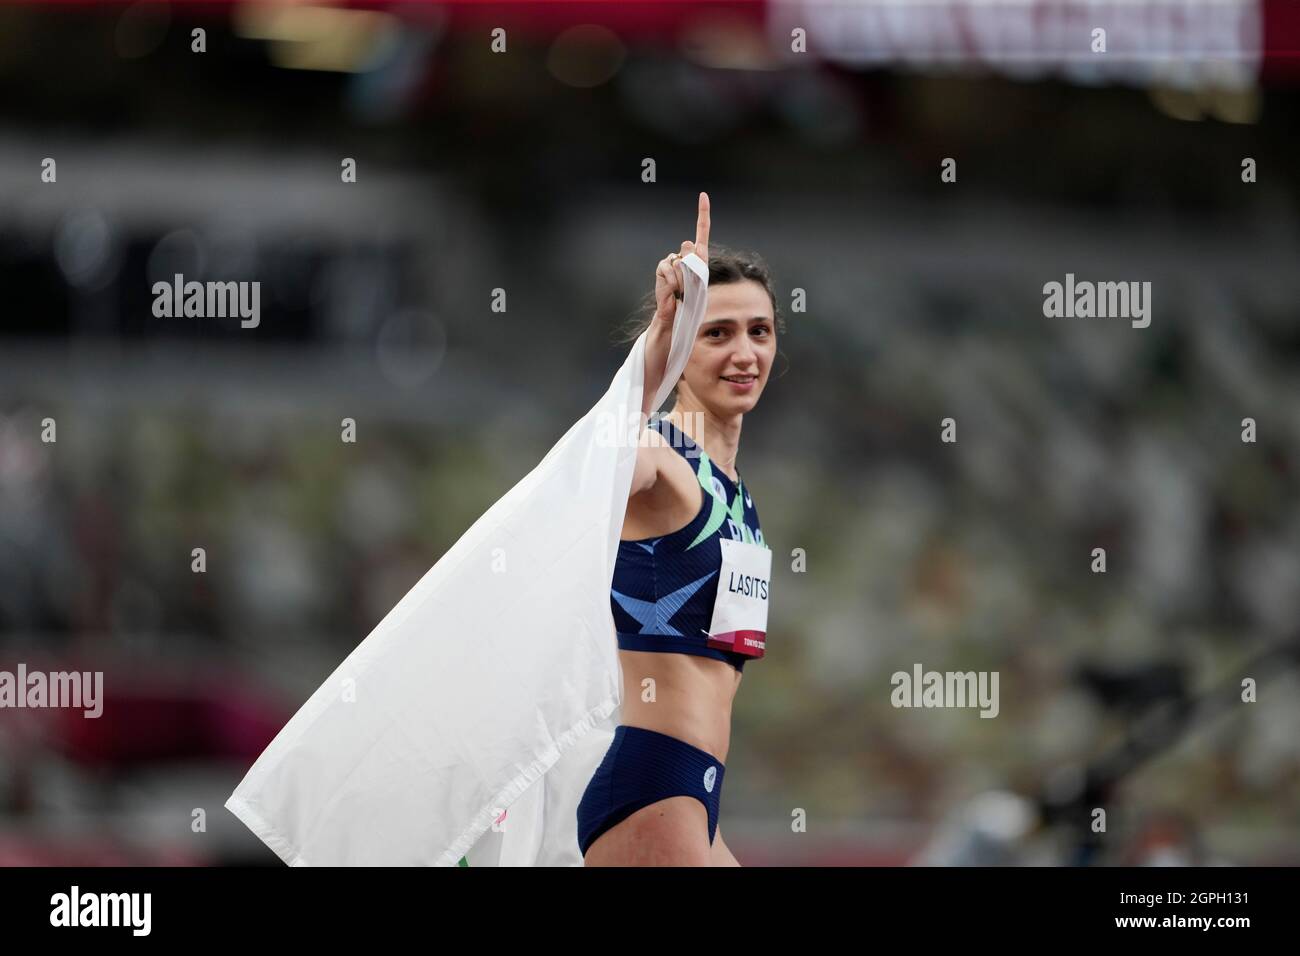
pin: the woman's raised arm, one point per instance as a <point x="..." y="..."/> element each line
<point x="669" y="282"/>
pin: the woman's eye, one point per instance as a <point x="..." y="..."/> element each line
<point x="710" y="332"/>
<point x="761" y="328"/>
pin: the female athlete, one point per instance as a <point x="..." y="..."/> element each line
<point x="690" y="589"/>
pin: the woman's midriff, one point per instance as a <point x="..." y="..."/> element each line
<point x="691" y="701"/>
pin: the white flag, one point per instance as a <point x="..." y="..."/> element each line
<point x="478" y="709"/>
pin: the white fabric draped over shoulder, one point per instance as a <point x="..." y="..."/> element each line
<point x="470" y="720"/>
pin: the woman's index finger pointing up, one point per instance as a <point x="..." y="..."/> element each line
<point x="702" y="229"/>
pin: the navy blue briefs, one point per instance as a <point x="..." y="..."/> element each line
<point x="642" y="767"/>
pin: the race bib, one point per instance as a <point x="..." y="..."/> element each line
<point x="740" y="610"/>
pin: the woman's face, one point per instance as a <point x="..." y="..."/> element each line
<point x="736" y="340"/>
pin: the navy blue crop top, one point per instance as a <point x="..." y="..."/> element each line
<point x="664" y="588"/>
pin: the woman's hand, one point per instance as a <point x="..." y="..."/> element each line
<point x="669" y="279"/>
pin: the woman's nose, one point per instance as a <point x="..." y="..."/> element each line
<point x="744" y="354"/>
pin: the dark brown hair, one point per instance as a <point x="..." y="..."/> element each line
<point x="725" y="266"/>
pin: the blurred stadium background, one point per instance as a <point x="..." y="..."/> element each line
<point x="522" y="170"/>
